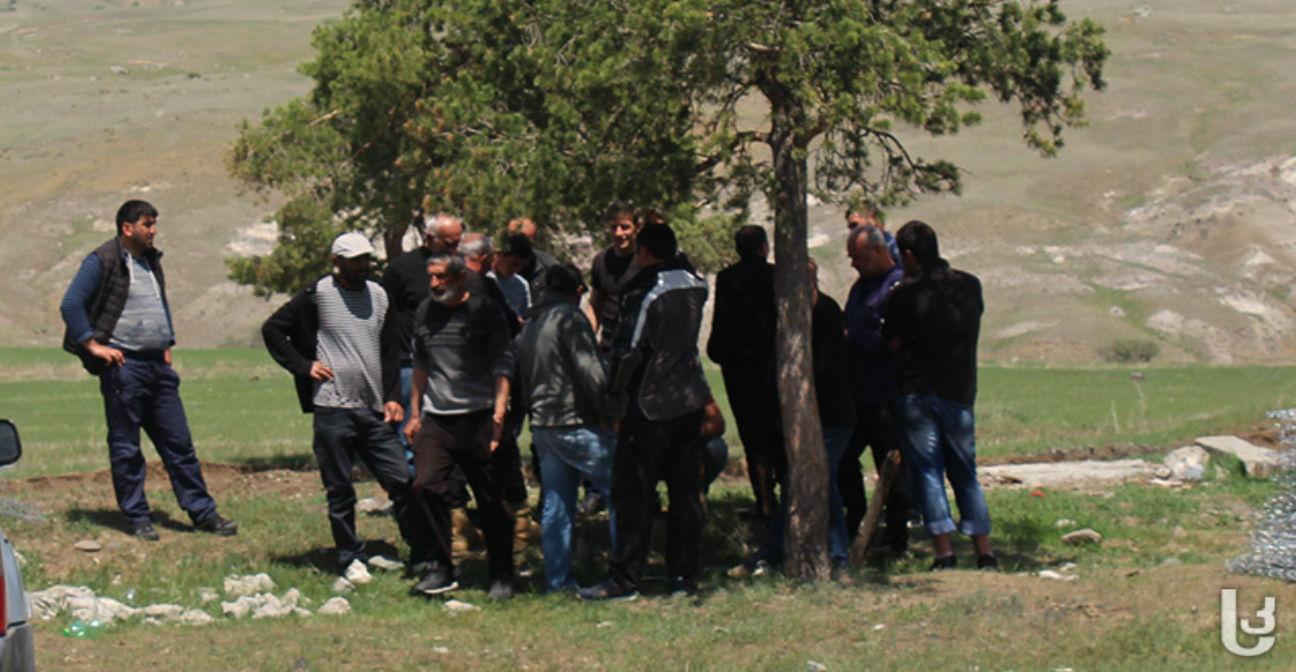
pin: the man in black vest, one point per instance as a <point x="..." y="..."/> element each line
<point x="119" y="323"/>
<point x="612" y="270"/>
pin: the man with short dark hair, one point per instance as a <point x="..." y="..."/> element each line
<point x="742" y="343"/>
<point x="612" y="269"/>
<point x="869" y="215"/>
<point x="463" y="363"/>
<point x="932" y="323"/>
<point x="119" y="324"/>
<point x="337" y="337"/>
<point x="534" y="271"/>
<point x="506" y="271"/>
<point x="657" y="377"/>
<point x="563" y="384"/>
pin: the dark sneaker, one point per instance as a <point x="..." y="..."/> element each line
<point x="988" y="562"/>
<point x="682" y="587"/>
<point x="145" y="531"/>
<point x="501" y="590"/>
<point x="942" y="564"/>
<point x="215" y="524"/>
<point x="436" y="582"/>
<point x="606" y="590"/>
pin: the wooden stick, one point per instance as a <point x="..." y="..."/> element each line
<point x="886" y="477"/>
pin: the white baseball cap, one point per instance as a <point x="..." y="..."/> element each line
<point x="351" y="245"/>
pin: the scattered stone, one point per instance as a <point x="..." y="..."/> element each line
<point x="1067" y="567"/>
<point x="119" y="70"/>
<point x="335" y="606"/>
<point x="1186" y="464"/>
<point x="207" y="595"/>
<point x="48" y="603"/>
<point x="602" y="625"/>
<point x="298" y="611"/>
<point x="1056" y="576"/>
<point x="1137" y="376"/>
<point x="1163" y="472"/>
<point x="1085" y="536"/>
<point x="879" y="627"/>
<point x="195" y="617"/>
<point x="1064" y="523"/>
<point x="441" y="650"/>
<point x="459" y="606"/>
<point x="252" y="584"/>
<point x="163" y="611"/>
<point x="240" y="608"/>
<point x="815" y="666"/>
<point x="1256" y="461"/>
<point x="342" y="585"/>
<point x="1143" y="11"/>
<point x="1063" y="474"/>
<point x="103" y="609"/>
<point x="374" y="506"/>
<point x="1178" y="532"/>
<point x="385" y="564"/>
<point x="357" y="573"/>
<point x="1171" y="562"/>
<point x="88" y="545"/>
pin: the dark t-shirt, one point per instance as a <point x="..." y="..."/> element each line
<point x="933" y="322"/>
<point x="828" y="347"/>
<point x="406" y="284"/>
<point x="609" y="276"/>
<point x="463" y="350"/>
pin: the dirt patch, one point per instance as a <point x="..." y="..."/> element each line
<point x="220" y="477"/>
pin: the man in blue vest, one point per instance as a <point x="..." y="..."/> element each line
<point x="119" y="323"/>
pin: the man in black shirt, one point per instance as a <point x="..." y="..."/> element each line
<point x="932" y="323"/>
<point x="613" y="268"/>
<point x="742" y="343"/>
<point x="534" y="270"/>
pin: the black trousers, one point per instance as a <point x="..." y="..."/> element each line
<point x="464" y="440"/>
<point x="343" y="434"/>
<point x="753" y="397"/>
<point x="508" y="458"/>
<point x="874" y="429"/>
<point x="647" y="452"/>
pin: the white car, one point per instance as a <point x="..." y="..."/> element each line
<point x="17" y="652"/>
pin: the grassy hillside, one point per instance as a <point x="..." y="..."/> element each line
<point x="1166" y="221"/>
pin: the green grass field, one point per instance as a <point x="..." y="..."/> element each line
<point x="242" y="408"/>
<point x="1144" y="599"/>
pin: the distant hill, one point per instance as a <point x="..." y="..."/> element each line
<point x="1169" y="221"/>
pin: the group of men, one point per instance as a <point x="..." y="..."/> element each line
<point x="425" y="378"/>
<point x="894" y="371"/>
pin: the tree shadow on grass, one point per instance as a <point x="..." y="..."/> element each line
<point x="114" y="520"/>
<point x="325" y="558"/>
<point x="291" y="462"/>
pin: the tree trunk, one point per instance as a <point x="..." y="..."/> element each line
<point x="806" y="548"/>
<point x="392" y="241"/>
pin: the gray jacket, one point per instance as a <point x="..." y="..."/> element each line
<point x="561" y="378"/>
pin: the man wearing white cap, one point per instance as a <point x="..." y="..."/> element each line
<point x="337" y="338"/>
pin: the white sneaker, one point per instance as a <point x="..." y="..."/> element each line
<point x="385" y="564"/>
<point x="357" y="573"/>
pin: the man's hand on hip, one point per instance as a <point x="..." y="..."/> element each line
<point x="111" y="356"/>
<point x="320" y="371"/>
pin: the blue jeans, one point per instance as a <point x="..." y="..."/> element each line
<point x="406" y="382"/>
<point x="144" y="392"/>
<point x="938" y="439"/>
<point x="565" y="456"/>
<point x="836" y="439"/>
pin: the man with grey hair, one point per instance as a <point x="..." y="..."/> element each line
<point x="463" y="364"/>
<point x="872" y="386"/>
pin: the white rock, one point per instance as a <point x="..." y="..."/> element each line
<point x="1186" y="464"/>
<point x="196" y="617"/>
<point x="343" y="586"/>
<point x="103" y="609"/>
<point x="335" y="606"/>
<point x="207" y="595"/>
<point x="440" y="649"/>
<point x="458" y="606"/>
<point x="163" y="611"/>
<point x="357" y="573"/>
<point x="1085" y="536"/>
<point x="1064" y="523"/>
<point x="238" y="586"/>
<point x="88" y="545"/>
<point x="272" y="607"/>
<point x="815" y="666"/>
<point x="48" y="603"/>
<point x="1258" y="462"/>
<point x="373" y="506"/>
<point x="119" y="70"/>
<point x="303" y="613"/>
<point x="1050" y="574"/>
<point x="239" y="608"/>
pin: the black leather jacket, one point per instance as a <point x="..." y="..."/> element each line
<point x="654" y="355"/>
<point x="561" y="377"/>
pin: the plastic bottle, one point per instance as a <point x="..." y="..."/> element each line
<point x="80" y="629"/>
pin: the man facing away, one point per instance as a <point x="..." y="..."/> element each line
<point x="563" y="387"/>
<point x="119" y="323"/>
<point x="872" y="386"/>
<point x="463" y="363"/>
<point x="742" y="343"/>
<point x="337" y="337"/>
<point x="657" y="376"/>
<point x="534" y="270"/>
<point x="932" y="323"/>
